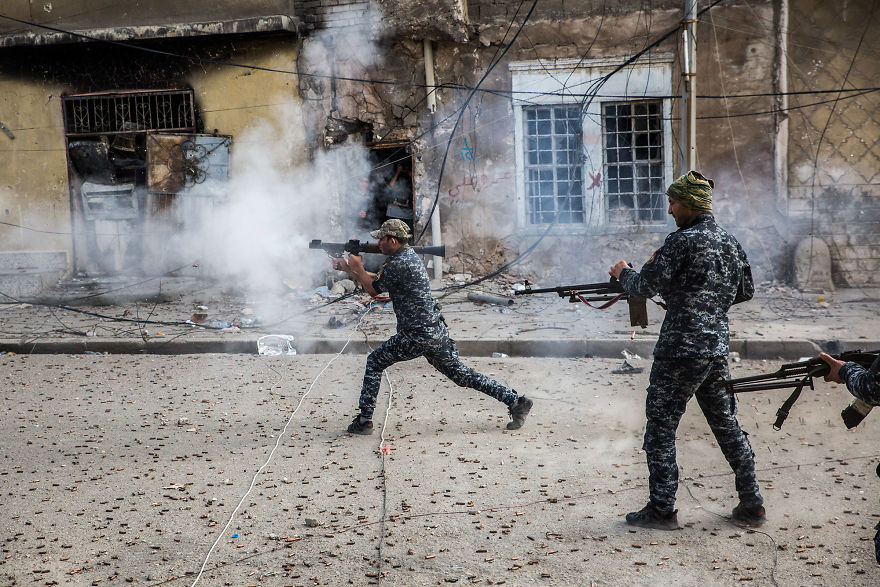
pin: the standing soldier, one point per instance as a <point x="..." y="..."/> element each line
<point x="700" y="271"/>
<point x="421" y="331"/>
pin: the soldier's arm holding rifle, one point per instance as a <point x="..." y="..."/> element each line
<point x="858" y="369"/>
<point x="658" y="271"/>
<point x="862" y="383"/>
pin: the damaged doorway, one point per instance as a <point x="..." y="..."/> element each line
<point x="138" y="173"/>
<point x="389" y="188"/>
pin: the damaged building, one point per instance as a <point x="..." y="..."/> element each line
<point x="539" y="132"/>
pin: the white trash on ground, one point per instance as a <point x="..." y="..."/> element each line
<point x="276" y="344"/>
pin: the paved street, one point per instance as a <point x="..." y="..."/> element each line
<point x="120" y="468"/>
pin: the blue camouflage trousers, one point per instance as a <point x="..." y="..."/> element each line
<point x="441" y="353"/>
<point x="672" y="384"/>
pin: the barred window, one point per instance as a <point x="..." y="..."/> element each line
<point x="126" y="112"/>
<point x="553" y="164"/>
<point x="634" y="180"/>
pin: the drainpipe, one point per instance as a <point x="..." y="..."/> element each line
<point x="689" y="88"/>
<point x="781" y="142"/>
<point x="436" y="239"/>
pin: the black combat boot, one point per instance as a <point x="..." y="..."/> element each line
<point x="360" y="425"/>
<point x="518" y="412"/>
<point x="749" y="514"/>
<point x="649" y="517"/>
<point x="877" y="543"/>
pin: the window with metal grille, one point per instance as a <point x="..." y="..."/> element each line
<point x="114" y="113"/>
<point x="553" y="164"/>
<point x="634" y="181"/>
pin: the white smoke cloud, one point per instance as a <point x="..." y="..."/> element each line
<point x="255" y="237"/>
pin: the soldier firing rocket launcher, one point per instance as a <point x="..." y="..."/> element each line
<point x="609" y="292"/>
<point x="356" y="247"/>
<point x="799" y="375"/>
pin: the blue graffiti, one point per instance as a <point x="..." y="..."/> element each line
<point x="467" y="153"/>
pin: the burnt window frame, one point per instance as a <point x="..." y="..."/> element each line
<point x="634" y="164"/>
<point x="110" y="113"/>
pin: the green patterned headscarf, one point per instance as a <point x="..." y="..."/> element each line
<point x="692" y="190"/>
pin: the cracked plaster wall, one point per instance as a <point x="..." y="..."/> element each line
<point x="33" y="171"/>
<point x="477" y="204"/>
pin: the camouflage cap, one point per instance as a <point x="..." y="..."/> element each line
<point x="393" y="227"/>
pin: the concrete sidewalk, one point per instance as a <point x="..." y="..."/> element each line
<point x="153" y="318"/>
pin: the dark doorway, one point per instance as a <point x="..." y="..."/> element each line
<point x="390" y="188"/>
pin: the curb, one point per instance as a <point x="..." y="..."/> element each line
<point x="583" y="348"/>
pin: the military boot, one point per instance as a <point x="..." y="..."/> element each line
<point x="518" y="412"/>
<point x="360" y="425"/>
<point x="649" y="517"/>
<point x="749" y="514"/>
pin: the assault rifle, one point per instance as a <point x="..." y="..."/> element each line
<point x="609" y="292"/>
<point x="799" y="375"/>
<point x="356" y="247"/>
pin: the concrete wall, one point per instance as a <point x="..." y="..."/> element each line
<point x="33" y="166"/>
<point x="738" y="138"/>
<point x="736" y="55"/>
<point x="834" y="152"/>
<point x="321" y="14"/>
<point x="476" y="197"/>
<point x="413" y="19"/>
<point x="33" y="169"/>
<point x="121" y="19"/>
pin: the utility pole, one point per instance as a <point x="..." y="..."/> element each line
<point x="689" y="88"/>
<point x="431" y="89"/>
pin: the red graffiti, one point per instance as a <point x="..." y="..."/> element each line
<point x="596" y="179"/>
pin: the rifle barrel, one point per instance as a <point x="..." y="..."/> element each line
<point x="418" y="250"/>
<point x="357" y="247"/>
<point x="436" y="251"/>
<point x="583" y="289"/>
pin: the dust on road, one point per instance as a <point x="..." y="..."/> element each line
<point x="121" y="468"/>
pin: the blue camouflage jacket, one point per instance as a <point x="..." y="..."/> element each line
<point x="863" y="383"/>
<point x="700" y="271"/>
<point x="404" y="277"/>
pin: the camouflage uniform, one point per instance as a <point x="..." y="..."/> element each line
<point x="700" y="271"/>
<point x="421" y="331"/>
<point x="865" y="385"/>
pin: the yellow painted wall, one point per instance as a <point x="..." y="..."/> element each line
<point x="33" y="168"/>
<point x="234" y="100"/>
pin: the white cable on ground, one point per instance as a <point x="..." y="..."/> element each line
<point x="383" y="451"/>
<point x="272" y="453"/>
<point x="387" y="411"/>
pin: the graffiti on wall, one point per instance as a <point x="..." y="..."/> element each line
<point x="475" y="183"/>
